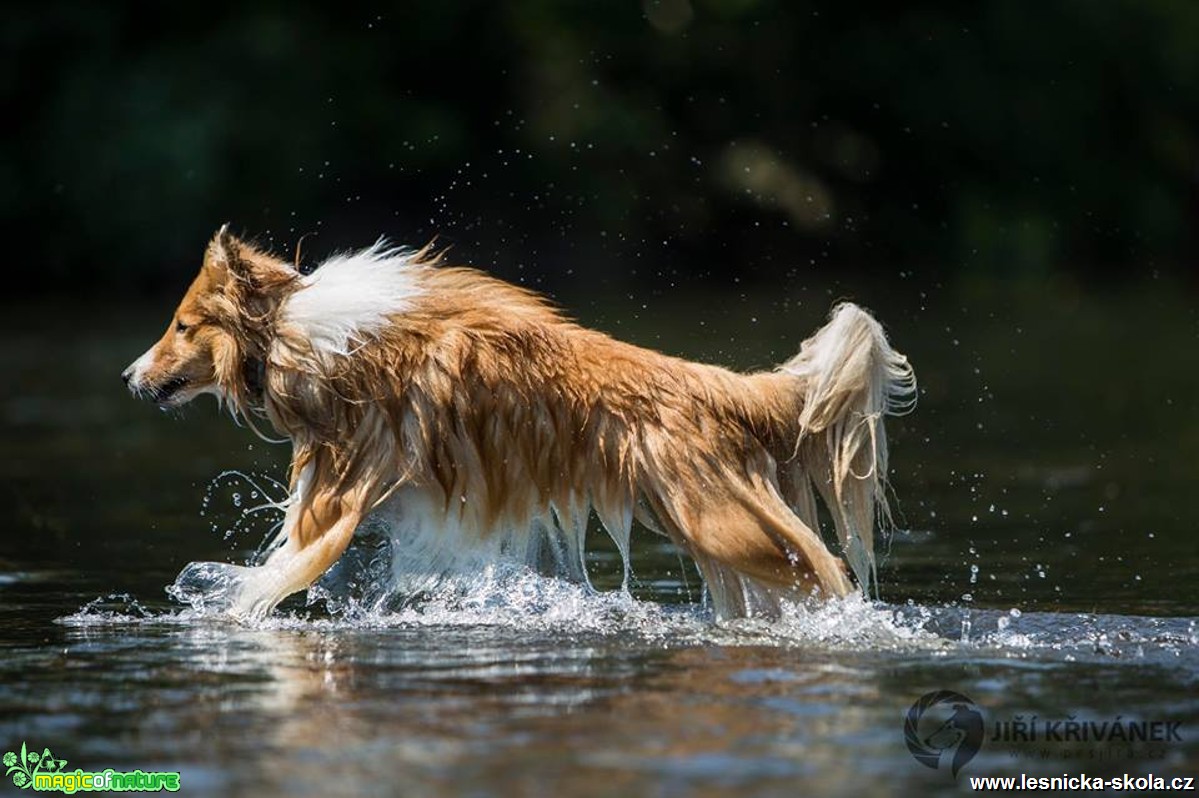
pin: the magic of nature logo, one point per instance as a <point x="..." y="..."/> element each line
<point x="44" y="772"/>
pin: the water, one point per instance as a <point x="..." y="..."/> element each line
<point x="1046" y="566"/>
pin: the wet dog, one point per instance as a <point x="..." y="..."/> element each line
<point x="478" y="415"/>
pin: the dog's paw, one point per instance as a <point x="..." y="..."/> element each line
<point x="210" y="588"/>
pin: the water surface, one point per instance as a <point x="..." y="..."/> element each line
<point x="1045" y="565"/>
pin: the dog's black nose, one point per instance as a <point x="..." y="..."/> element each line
<point x="127" y="375"/>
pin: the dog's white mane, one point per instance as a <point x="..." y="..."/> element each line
<point x="351" y="295"/>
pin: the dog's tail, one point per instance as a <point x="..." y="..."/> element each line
<point x="852" y="377"/>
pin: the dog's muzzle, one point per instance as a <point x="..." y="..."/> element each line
<point x="161" y="393"/>
<point x="164" y="392"/>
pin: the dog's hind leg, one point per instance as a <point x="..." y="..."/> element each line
<point x="738" y="522"/>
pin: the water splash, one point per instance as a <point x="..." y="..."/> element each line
<point x="250" y="497"/>
<point x="114" y="608"/>
<point x="398" y="574"/>
<point x="523" y="603"/>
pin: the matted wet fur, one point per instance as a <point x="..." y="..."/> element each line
<point x="477" y="412"/>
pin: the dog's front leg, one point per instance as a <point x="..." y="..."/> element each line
<point x="292" y="568"/>
<point x="318" y="527"/>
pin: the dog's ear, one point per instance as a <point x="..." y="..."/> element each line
<point x="224" y="250"/>
<point x="244" y="265"/>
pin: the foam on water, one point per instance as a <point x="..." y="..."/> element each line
<point x="532" y="602"/>
<point x="552" y="608"/>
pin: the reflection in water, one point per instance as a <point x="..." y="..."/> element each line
<point x="438" y="699"/>
<point x="427" y="708"/>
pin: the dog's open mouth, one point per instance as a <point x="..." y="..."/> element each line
<point x="163" y="394"/>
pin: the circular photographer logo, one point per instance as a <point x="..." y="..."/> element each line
<point x="943" y="727"/>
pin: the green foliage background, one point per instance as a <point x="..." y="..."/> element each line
<point x="719" y="139"/>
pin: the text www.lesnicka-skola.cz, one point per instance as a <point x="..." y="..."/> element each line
<point x="1083" y="782"/>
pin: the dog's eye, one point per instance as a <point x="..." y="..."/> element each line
<point x="181" y="327"/>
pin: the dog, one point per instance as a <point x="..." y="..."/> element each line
<point x="481" y="415"/>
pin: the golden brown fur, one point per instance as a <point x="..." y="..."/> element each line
<point x="482" y="400"/>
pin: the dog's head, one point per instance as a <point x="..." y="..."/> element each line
<point x="220" y="330"/>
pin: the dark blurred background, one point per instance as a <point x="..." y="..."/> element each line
<point x="629" y="143"/>
<point x="1010" y="187"/>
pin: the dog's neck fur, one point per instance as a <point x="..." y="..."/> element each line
<point x="352" y="296"/>
<point x="296" y="330"/>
